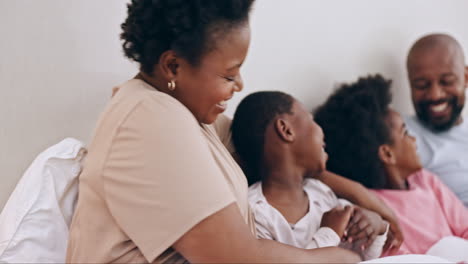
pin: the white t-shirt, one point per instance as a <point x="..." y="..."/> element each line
<point x="445" y="154"/>
<point x="306" y="233"/>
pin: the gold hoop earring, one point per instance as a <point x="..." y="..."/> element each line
<point x="171" y="85"/>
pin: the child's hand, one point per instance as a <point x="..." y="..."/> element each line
<point x="365" y="225"/>
<point x="394" y="238"/>
<point x="337" y="219"/>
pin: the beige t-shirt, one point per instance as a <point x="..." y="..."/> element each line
<point x="151" y="174"/>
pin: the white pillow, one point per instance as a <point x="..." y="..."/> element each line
<point x="452" y="248"/>
<point x="34" y="222"/>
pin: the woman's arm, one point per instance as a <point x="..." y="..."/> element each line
<point x="358" y="194"/>
<point x="225" y="237"/>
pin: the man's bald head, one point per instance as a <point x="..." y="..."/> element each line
<point x="438" y="78"/>
<point x="434" y="42"/>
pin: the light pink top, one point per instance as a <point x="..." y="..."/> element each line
<point x="427" y="212"/>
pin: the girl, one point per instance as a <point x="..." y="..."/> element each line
<point x="380" y="154"/>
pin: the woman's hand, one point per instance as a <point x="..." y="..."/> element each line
<point x="365" y="226"/>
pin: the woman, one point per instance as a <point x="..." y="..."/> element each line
<point x="158" y="184"/>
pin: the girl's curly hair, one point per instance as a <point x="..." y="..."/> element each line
<point x="353" y="120"/>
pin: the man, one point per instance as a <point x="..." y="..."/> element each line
<point x="438" y="78"/>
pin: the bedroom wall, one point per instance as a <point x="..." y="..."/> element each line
<point x="59" y="59"/>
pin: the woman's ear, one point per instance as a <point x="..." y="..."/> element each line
<point x="386" y="155"/>
<point x="169" y="64"/>
<point x="284" y="130"/>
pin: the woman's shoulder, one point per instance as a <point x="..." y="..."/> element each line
<point x="143" y="113"/>
<point x="137" y="103"/>
<point x="138" y="93"/>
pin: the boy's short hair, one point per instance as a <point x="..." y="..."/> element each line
<point x="353" y="120"/>
<point x="251" y="119"/>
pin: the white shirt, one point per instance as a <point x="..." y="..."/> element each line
<point x="306" y="233"/>
<point x="445" y="154"/>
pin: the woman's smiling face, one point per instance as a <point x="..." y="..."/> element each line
<point x="205" y="88"/>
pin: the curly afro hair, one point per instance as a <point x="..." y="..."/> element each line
<point x="353" y="120"/>
<point x="251" y="119"/>
<point x="189" y="27"/>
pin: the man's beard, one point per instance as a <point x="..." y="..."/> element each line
<point x="424" y="116"/>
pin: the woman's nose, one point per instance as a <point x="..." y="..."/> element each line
<point x="239" y="84"/>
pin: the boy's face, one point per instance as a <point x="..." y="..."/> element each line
<point x="309" y="144"/>
<point x="438" y="80"/>
<point x="403" y="145"/>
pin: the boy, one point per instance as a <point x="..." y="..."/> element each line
<point x="279" y="143"/>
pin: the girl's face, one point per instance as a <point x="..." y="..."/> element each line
<point x="310" y="145"/>
<point x="403" y="146"/>
<point x="206" y="88"/>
